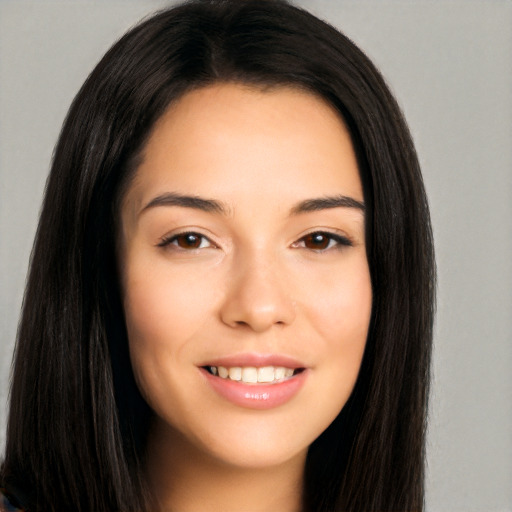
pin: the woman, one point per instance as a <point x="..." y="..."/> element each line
<point x="231" y="292"/>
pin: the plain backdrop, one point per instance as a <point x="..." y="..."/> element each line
<point x="450" y="65"/>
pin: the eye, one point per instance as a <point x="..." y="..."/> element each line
<point x="187" y="241"/>
<point x="322" y="241"/>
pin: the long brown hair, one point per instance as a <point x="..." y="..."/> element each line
<point x="77" y="423"/>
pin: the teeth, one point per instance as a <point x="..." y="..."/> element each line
<point x="279" y="373"/>
<point x="235" y="373"/>
<point x="266" y="374"/>
<point x="252" y="375"/>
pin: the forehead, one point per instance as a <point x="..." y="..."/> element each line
<point x="233" y="142"/>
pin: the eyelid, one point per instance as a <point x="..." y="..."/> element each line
<point x="168" y="239"/>
<point x="341" y="239"/>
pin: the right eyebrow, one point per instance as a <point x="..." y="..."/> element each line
<point x="185" y="201"/>
<point x="323" y="203"/>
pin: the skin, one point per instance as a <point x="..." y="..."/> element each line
<point x="253" y="283"/>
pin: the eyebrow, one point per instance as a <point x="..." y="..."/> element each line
<point x="323" y="203"/>
<point x="196" y="202"/>
<point x="213" y="206"/>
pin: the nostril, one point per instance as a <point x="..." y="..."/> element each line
<point x="256" y="307"/>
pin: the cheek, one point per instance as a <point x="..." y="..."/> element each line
<point x="339" y="312"/>
<point x="340" y="304"/>
<point x="165" y="306"/>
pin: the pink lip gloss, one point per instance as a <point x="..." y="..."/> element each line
<point x="257" y="395"/>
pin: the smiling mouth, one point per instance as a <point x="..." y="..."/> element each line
<point x="254" y="375"/>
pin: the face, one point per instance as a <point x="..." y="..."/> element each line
<point x="245" y="280"/>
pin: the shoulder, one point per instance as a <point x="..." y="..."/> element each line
<point x="6" y="505"/>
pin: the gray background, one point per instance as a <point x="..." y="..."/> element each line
<point x="450" y="65"/>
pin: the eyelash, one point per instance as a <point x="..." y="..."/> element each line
<point x="334" y="241"/>
<point x="169" y="240"/>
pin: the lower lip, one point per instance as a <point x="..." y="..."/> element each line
<point x="256" y="396"/>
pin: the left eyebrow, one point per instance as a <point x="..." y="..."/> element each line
<point x="185" y="201"/>
<point x="323" y="203"/>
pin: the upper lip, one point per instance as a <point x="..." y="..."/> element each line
<point x="257" y="360"/>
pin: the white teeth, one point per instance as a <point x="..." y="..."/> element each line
<point x="235" y="373"/>
<point x="266" y="374"/>
<point x="279" y="373"/>
<point x="251" y="374"/>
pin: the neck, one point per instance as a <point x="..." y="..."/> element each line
<point x="185" y="479"/>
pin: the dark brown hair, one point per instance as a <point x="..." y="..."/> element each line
<point x="77" y="423"/>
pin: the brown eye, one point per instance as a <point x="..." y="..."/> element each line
<point x="316" y="241"/>
<point x="320" y="241"/>
<point x="187" y="241"/>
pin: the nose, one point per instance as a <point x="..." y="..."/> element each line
<point x="258" y="297"/>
